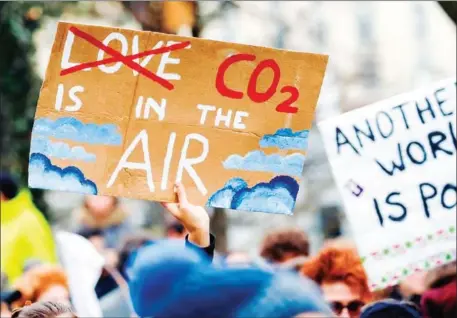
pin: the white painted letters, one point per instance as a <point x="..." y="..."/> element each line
<point x="72" y="94"/>
<point x="238" y="121"/>
<point x="225" y="118"/>
<point x="145" y="165"/>
<point x="65" y="62"/>
<point x="167" y="161"/>
<point x="187" y="163"/>
<point x="220" y="117"/>
<point x="59" y="97"/>
<point x="166" y="59"/>
<point x="135" y="50"/>
<point x="114" y="68"/>
<point x="205" y="109"/>
<point x="150" y="103"/>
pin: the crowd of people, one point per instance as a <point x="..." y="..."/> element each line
<point x="181" y="274"/>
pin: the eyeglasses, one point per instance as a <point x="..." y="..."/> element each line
<point x="353" y="307"/>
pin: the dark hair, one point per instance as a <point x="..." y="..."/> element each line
<point x="88" y="233"/>
<point x="46" y="309"/>
<point x="10" y="296"/>
<point x="441" y="275"/>
<point x="176" y="227"/>
<point x="391" y="308"/>
<point x="276" y="244"/>
<point x="131" y="244"/>
<point x="8" y="186"/>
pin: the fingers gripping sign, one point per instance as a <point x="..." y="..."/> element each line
<point x="194" y="218"/>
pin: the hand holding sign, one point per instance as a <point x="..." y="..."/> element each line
<point x="194" y="218"/>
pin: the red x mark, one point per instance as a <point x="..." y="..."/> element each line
<point x="126" y="60"/>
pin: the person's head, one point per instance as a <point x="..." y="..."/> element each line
<point x="8" y="298"/>
<point x="47" y="309"/>
<point x="339" y="272"/>
<point x="208" y="291"/>
<point x="175" y="230"/>
<point x="440" y="275"/>
<point x="130" y="247"/>
<point x="100" y="206"/>
<point x="281" y="246"/>
<point x="441" y="301"/>
<point x="44" y="283"/>
<point x="439" y="298"/>
<point x="8" y="187"/>
<point x="391" y="308"/>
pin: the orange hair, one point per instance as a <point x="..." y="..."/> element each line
<point x="338" y="263"/>
<point x="38" y="280"/>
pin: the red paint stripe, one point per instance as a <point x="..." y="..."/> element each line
<point x="160" y="50"/>
<point x="118" y="57"/>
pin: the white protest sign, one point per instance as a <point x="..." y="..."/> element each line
<point x="394" y="163"/>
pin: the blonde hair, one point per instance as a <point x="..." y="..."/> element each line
<point x="46" y="309"/>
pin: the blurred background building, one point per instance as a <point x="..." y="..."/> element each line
<point x="377" y="49"/>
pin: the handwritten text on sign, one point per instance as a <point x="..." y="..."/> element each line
<point x="394" y="163"/>
<point x="129" y="113"/>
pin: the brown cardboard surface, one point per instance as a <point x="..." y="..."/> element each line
<point x="112" y="99"/>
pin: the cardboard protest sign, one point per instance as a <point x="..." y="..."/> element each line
<point x="128" y="113"/>
<point x="394" y="163"/>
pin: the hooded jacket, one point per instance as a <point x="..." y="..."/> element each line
<point x="25" y="235"/>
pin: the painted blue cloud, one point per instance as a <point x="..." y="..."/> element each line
<point x="60" y="150"/>
<point x="276" y="196"/>
<point x="259" y="161"/>
<point x="72" y="129"/>
<point x="223" y="197"/>
<point x="44" y="175"/>
<point x="285" y="138"/>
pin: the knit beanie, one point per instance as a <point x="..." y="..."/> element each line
<point x="391" y="308"/>
<point x="170" y="280"/>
